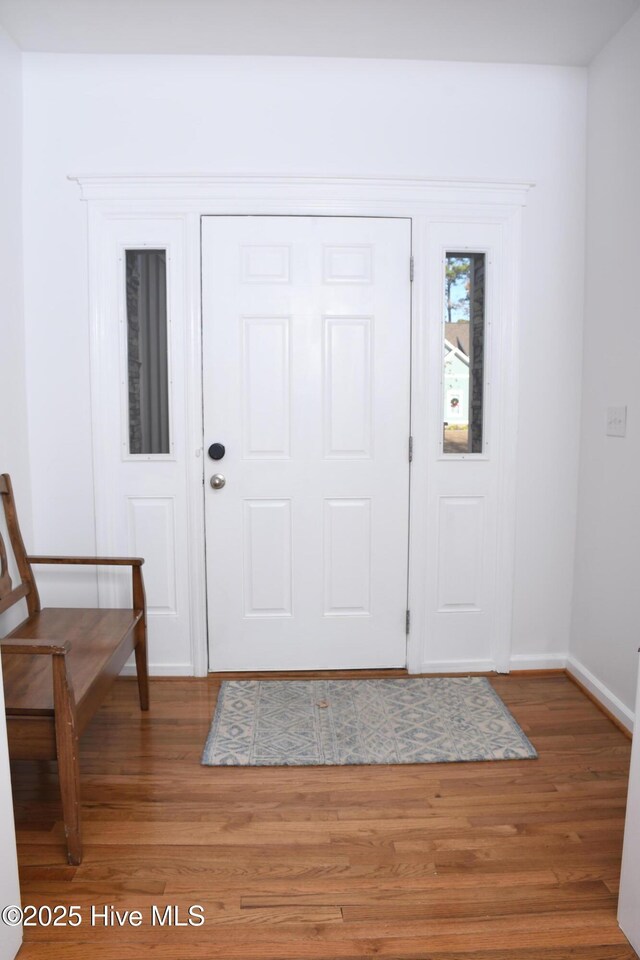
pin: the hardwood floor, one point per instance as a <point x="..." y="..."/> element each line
<point x="469" y="861"/>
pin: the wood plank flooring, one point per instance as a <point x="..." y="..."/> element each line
<point x="469" y="861"/>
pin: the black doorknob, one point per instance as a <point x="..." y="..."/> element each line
<point x="217" y="451"/>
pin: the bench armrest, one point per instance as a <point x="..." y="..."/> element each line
<point x="139" y="600"/>
<point x="50" y="647"/>
<point x="92" y="561"/>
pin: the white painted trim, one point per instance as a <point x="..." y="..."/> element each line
<point x="424" y="200"/>
<point x="456" y="666"/>
<point x="99" y="376"/>
<point x="208" y="187"/>
<point x="195" y="443"/>
<point x="419" y="476"/>
<point x="506" y="361"/>
<point x="602" y="693"/>
<point x="538" y="661"/>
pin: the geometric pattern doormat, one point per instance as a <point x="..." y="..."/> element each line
<point x="333" y="722"/>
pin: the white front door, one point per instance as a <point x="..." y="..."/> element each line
<point x="306" y="363"/>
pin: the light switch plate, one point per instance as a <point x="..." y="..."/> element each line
<point x="616" y="421"/>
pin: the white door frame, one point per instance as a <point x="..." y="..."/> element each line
<point x="186" y="199"/>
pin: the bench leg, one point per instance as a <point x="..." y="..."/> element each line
<point x="68" y="759"/>
<point x="69" y="773"/>
<point x="142" y="669"/>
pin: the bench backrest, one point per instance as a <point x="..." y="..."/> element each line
<point x="27" y="588"/>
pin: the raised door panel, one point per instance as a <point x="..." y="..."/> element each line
<point x="347" y="557"/>
<point x="267" y="558"/>
<point x="460" y="554"/>
<point x="266" y="387"/>
<point x="152" y="536"/>
<point x="348" y="384"/>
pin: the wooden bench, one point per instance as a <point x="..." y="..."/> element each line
<point x="58" y="665"/>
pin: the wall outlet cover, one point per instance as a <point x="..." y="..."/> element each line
<point x="616" y="421"/>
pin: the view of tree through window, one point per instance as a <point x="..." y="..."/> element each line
<point x="463" y="360"/>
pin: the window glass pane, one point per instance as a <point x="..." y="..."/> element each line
<point x="464" y="299"/>
<point x="146" y="276"/>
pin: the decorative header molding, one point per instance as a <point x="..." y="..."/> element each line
<point x="220" y="187"/>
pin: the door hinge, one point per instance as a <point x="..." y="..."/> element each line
<point x="410" y="449"/>
<point x="407" y="625"/>
<point x="411" y="269"/>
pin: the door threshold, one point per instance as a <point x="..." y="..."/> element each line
<point x="360" y="674"/>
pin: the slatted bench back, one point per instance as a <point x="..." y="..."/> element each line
<point x="27" y="587"/>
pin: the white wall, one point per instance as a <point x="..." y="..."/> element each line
<point x="13" y="415"/>
<point x="605" y="632"/>
<point x="13" y="403"/>
<point x="135" y="114"/>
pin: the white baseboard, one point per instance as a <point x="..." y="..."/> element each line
<point x="546" y="661"/>
<point x="539" y="661"/>
<point x="456" y="666"/>
<point x="602" y="694"/>
<point x="161" y="670"/>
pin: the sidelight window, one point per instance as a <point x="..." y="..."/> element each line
<point x="147" y="352"/>
<point x="464" y="353"/>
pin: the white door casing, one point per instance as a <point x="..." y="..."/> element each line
<point x="142" y="207"/>
<point x="306" y="367"/>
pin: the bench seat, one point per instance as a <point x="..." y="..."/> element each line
<point x="94" y="635"/>
<point x="58" y="664"/>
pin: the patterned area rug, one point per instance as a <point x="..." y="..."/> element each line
<point x="415" y="720"/>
